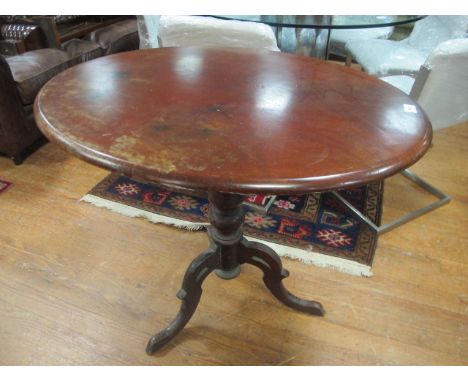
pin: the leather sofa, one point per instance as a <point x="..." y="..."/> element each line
<point x="23" y="75"/>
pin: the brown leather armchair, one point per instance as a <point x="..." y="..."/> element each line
<point x="18" y="132"/>
<point x="23" y="75"/>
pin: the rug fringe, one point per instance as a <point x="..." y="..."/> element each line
<point x="304" y="255"/>
<point x="317" y="259"/>
<point x="136" y="212"/>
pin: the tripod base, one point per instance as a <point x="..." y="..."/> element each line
<point x="227" y="252"/>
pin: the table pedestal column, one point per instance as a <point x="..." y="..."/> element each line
<point x="228" y="250"/>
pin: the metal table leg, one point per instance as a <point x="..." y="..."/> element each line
<point x="443" y="199"/>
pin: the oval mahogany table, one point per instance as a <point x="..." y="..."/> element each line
<point x="232" y="122"/>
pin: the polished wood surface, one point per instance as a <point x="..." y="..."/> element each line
<point x="76" y="281"/>
<point x="233" y="120"/>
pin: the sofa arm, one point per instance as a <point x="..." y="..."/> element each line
<point x="7" y="83"/>
<point x="121" y="36"/>
<point x="16" y="128"/>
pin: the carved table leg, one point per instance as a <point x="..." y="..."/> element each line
<point x="190" y="294"/>
<point x="269" y="262"/>
<point x="227" y="251"/>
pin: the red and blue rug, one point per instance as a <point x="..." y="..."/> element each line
<point x="315" y="228"/>
<point x="4" y="185"/>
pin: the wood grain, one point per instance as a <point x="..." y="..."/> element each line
<point x="80" y="285"/>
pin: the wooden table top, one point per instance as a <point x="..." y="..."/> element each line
<point x="233" y="120"/>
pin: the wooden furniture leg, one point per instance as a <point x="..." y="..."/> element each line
<point x="228" y="250"/>
<point x="269" y="262"/>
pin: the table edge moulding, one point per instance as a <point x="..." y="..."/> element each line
<point x="393" y="121"/>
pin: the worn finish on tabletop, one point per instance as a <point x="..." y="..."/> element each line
<point x="233" y="120"/>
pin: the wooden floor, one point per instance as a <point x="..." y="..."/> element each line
<point x="83" y="285"/>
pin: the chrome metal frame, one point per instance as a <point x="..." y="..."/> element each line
<point x="443" y="199"/>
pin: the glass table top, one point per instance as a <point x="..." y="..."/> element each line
<point x="325" y="21"/>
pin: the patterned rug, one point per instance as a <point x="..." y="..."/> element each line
<point x="314" y="228"/>
<point x="4" y="185"/>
